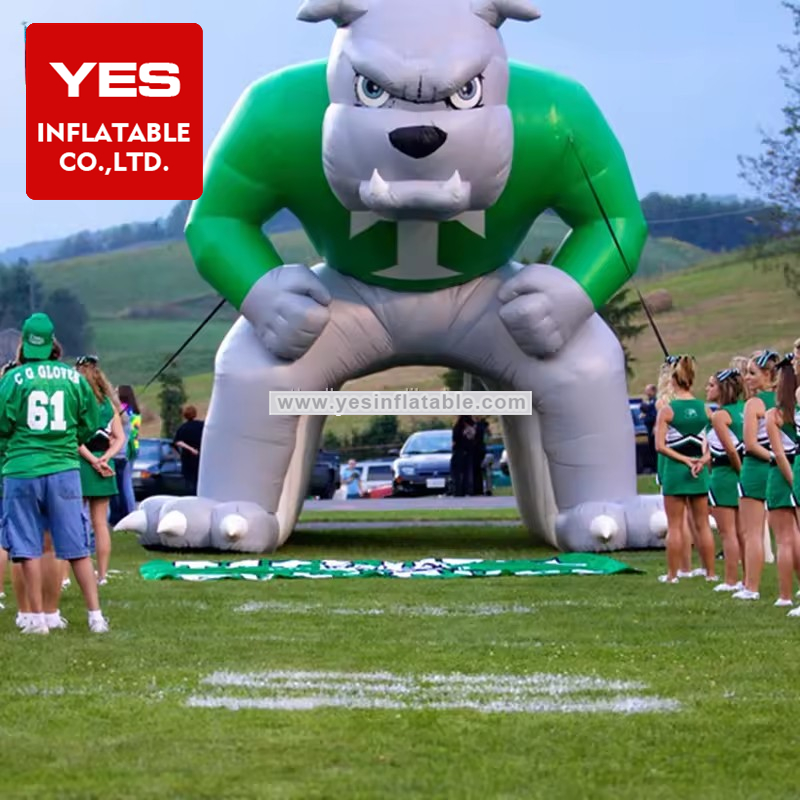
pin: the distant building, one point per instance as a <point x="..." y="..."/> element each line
<point x="9" y="342"/>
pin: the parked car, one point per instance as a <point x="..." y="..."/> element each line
<point x="157" y="470"/>
<point x="423" y="466"/>
<point x="375" y="473"/>
<point x="325" y="478"/>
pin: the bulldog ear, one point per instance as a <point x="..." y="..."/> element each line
<point x="341" y="12"/>
<point x="496" y="12"/>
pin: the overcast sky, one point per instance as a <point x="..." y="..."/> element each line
<point x="685" y="84"/>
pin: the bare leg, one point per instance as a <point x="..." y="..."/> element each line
<point x="751" y="514"/>
<point x="32" y="570"/>
<point x="51" y="578"/>
<point x="726" y="522"/>
<point x="742" y="543"/>
<point x="3" y="570"/>
<point x="699" y="508"/>
<point x="689" y="537"/>
<point x="84" y="574"/>
<point x="20" y="590"/>
<point x="98" y="510"/>
<point x="781" y="521"/>
<point x="676" y="520"/>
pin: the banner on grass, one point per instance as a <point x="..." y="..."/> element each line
<point x="264" y="570"/>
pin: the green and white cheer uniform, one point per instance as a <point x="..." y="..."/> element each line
<point x="755" y="472"/>
<point x="685" y="436"/>
<point x="724" y="484"/>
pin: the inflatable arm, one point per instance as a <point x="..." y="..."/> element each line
<point x="240" y="193"/>
<point x="589" y="254"/>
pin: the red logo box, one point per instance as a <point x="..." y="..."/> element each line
<point x="133" y="127"/>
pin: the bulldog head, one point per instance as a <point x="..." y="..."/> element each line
<point x="418" y="125"/>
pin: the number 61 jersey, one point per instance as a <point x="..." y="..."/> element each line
<point x="47" y="410"/>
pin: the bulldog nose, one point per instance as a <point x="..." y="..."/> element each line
<point x="418" y="141"/>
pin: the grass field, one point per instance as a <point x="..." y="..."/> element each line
<point x="97" y="717"/>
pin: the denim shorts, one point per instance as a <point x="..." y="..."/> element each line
<point x="50" y="502"/>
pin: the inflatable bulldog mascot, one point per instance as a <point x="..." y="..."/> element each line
<point x="416" y="158"/>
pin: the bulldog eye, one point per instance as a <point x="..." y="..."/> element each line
<point x="468" y="96"/>
<point x="369" y="93"/>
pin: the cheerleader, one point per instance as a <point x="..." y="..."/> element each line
<point x="781" y="502"/>
<point x="760" y="381"/>
<point x="725" y="388"/>
<point x="679" y="438"/>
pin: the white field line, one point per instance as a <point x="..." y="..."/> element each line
<point x="485" y="610"/>
<point x="614" y="705"/>
<point x="545" y="683"/>
<point x="536" y="693"/>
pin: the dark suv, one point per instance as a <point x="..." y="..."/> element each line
<point x="157" y="470"/>
<point x="325" y="476"/>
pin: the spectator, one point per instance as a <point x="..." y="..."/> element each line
<point x="481" y="465"/>
<point x="187" y="441"/>
<point x="98" y="479"/>
<point x="351" y="479"/>
<point x="46" y="411"/>
<point x="124" y="502"/>
<point x="462" y="460"/>
<point x="648" y="413"/>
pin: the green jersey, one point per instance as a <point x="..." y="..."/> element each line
<point x="269" y="156"/>
<point x="47" y="410"/>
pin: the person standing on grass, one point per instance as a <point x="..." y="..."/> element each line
<point x="124" y="502"/>
<point x="680" y="428"/>
<point x="351" y="478"/>
<point x="46" y="412"/>
<point x="51" y="567"/>
<point x="665" y="393"/>
<point x="648" y="413"/>
<point x="187" y="441"/>
<point x="98" y="478"/>
<point x="760" y="382"/>
<point x="725" y="388"/>
<point x="781" y="503"/>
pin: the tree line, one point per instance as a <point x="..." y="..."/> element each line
<point x="729" y="230"/>
<point x="22" y="293"/>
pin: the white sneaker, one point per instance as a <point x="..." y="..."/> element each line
<point x="22" y="619"/>
<point x="65" y="584"/>
<point x="728" y="587"/>
<point x="99" y="625"/>
<point x="683" y="574"/>
<point x="699" y="573"/>
<point x="781" y="603"/>
<point x="2" y="595"/>
<point x="746" y="594"/>
<point x="102" y="581"/>
<point x="666" y="579"/>
<point x="35" y="628"/>
<point x="795" y="612"/>
<point x="55" y="621"/>
<point x="712" y="578"/>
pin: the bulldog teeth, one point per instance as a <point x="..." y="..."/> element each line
<point x="378" y="186"/>
<point x="454" y="185"/>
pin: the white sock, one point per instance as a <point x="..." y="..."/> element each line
<point x="37" y="620"/>
<point x="52" y="619"/>
<point x="23" y="618"/>
<point x="95" y="616"/>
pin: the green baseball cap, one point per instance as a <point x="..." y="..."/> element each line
<point x="37" y="337"/>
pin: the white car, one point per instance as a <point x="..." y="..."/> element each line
<point x="374" y="474"/>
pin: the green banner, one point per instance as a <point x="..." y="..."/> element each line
<point x="264" y="570"/>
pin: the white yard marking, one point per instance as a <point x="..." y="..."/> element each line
<point x="484" y="610"/>
<point x="532" y="694"/>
